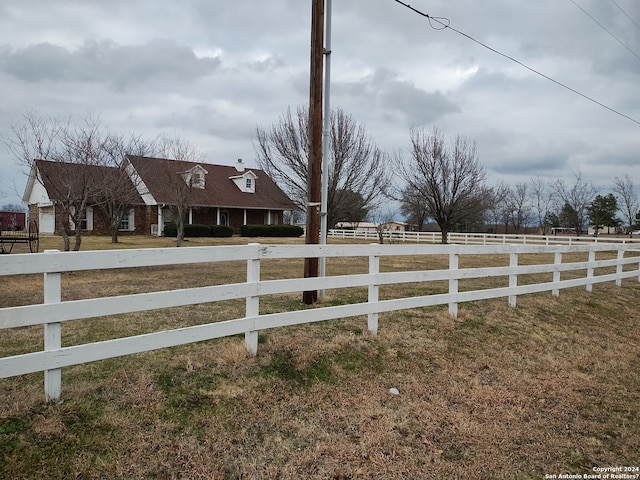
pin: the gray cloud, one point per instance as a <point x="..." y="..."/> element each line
<point x="106" y="62"/>
<point x="267" y="65"/>
<point x="212" y="71"/>
<point x="398" y="100"/>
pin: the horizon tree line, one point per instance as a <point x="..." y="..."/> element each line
<point x="443" y="180"/>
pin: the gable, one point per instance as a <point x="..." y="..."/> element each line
<point x="35" y="193"/>
<point x="246" y="182"/>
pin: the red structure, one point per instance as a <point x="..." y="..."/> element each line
<point x="13" y="221"/>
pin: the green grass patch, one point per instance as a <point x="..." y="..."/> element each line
<point x="283" y="367"/>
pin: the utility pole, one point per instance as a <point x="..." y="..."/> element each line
<point x="314" y="174"/>
<point x="326" y="136"/>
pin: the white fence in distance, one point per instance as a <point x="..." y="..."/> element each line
<point x="622" y="261"/>
<point x="480" y="238"/>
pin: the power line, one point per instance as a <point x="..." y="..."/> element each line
<point x="626" y="14"/>
<point x="605" y="29"/>
<point x="444" y="23"/>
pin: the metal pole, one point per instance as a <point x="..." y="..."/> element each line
<point x="315" y="144"/>
<point x="326" y="138"/>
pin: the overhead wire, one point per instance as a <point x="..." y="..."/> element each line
<point x="444" y="23"/>
<point x="605" y="29"/>
<point x="626" y="14"/>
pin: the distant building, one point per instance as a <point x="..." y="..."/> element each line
<point x="393" y="226"/>
<point x="14" y="221"/>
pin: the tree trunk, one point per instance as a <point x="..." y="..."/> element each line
<point x="76" y="246"/>
<point x="65" y="240"/>
<point x="444" y="234"/>
<point x="180" y="233"/>
<point x="64" y="234"/>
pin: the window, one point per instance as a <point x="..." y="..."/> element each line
<point x="270" y="218"/>
<point x="86" y="222"/>
<point x="198" y="180"/>
<point x="224" y="218"/>
<point x="126" y="224"/>
<point x="83" y="221"/>
<point x="248" y="183"/>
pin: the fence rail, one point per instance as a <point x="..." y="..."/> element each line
<point x="620" y="262"/>
<point x="481" y="238"/>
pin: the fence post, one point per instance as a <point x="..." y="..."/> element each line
<point x="53" y="335"/>
<point x="513" y="278"/>
<point x="592" y="258"/>
<point x="453" y="283"/>
<point x="557" y="260"/>
<point x="619" y="267"/>
<point x="374" y="269"/>
<point x="252" y="303"/>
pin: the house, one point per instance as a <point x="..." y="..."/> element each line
<point x="215" y="194"/>
<point x="50" y="184"/>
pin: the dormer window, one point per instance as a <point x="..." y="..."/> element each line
<point x="245" y="182"/>
<point x="195" y="177"/>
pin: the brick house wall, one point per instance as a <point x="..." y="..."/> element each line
<point x="235" y="217"/>
<point x="146" y="215"/>
<point x="205" y="216"/>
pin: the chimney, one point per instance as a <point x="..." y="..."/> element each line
<point x="240" y="165"/>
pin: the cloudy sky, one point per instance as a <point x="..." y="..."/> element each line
<point x="211" y="72"/>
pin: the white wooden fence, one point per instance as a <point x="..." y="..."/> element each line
<point x="481" y="238"/>
<point x="619" y="262"/>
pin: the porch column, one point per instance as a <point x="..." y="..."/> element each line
<point x="244" y="218"/>
<point x="190" y="216"/>
<point x="218" y="216"/>
<point x="160" y="221"/>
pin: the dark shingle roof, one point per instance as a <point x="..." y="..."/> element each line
<point x="69" y="180"/>
<point x="219" y="191"/>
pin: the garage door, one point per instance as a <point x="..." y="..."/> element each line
<point x="47" y="220"/>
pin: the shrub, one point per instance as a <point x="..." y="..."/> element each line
<point x="170" y="230"/>
<point x="195" y="230"/>
<point x="271" y="231"/>
<point x="220" y="231"/>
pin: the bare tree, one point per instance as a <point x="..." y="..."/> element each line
<point x="357" y="168"/>
<point x="66" y="156"/>
<point x="120" y="193"/>
<point x="383" y="222"/>
<point x="628" y="198"/>
<point x="542" y="198"/>
<point x="578" y="197"/>
<point x="495" y="212"/>
<point x="413" y="207"/>
<point x="518" y="207"/>
<point x="180" y="183"/>
<point x="34" y="137"/>
<point x="84" y="145"/>
<point x="12" y="207"/>
<point x="448" y="178"/>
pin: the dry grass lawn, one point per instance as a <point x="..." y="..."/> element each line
<point x="550" y="387"/>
